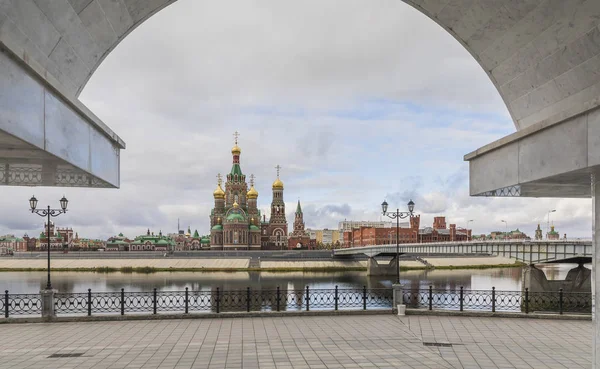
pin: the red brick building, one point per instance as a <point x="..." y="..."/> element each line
<point x="367" y="236"/>
<point x="299" y="238"/>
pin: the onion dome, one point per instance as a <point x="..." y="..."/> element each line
<point x="235" y="217"/>
<point x="217" y="227"/>
<point x="219" y="193"/>
<point x="252" y="193"/>
<point x="236" y="205"/>
<point x="236" y="150"/>
<point x="278" y="184"/>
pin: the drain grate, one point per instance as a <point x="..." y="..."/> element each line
<point x="65" y="355"/>
<point x="437" y="344"/>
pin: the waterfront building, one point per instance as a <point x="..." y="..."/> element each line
<point x="499" y="235"/>
<point x="325" y="237"/>
<point x="31" y="242"/>
<point x="299" y="238"/>
<point x="552" y="234"/>
<point x="87" y="244"/>
<point x="185" y="241"/>
<point x="365" y="236"/>
<point x="347" y="225"/>
<point x="151" y="242"/>
<point x="57" y="241"/>
<point x="118" y="243"/>
<point x="10" y="243"/>
<point x="538" y="233"/>
<point x="235" y="220"/>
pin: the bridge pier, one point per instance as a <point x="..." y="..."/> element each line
<point x="578" y="279"/>
<point x="381" y="269"/>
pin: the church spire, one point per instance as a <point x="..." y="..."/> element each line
<point x="236" y="151"/>
<point x="298" y="208"/>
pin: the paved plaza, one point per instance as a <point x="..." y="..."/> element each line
<point x="367" y="341"/>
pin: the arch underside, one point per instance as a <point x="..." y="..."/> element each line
<point x="543" y="56"/>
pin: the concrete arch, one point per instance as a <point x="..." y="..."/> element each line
<point x="542" y="55"/>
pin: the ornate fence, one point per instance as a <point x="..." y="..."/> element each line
<point x="250" y="300"/>
<point x="505" y="301"/>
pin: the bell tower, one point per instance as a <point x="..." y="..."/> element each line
<point x="278" y="227"/>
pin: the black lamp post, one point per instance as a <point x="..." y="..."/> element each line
<point x="49" y="213"/>
<point x="398" y="215"/>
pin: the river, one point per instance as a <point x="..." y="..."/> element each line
<point x="507" y="279"/>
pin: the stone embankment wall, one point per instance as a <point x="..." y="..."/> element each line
<point x="234" y="264"/>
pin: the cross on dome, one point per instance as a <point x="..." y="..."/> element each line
<point x="278" y="167"/>
<point x="236" y="134"/>
<point x="252" y="180"/>
<point x="219" y="180"/>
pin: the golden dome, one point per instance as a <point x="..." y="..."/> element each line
<point x="236" y="150"/>
<point x="235" y="204"/>
<point x="278" y="184"/>
<point x="219" y="193"/>
<point x="252" y="193"/>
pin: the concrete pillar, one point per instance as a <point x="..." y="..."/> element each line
<point x="595" y="264"/>
<point x="384" y="269"/>
<point x="397" y="300"/>
<point x="48" y="303"/>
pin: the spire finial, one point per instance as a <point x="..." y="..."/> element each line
<point x="278" y="167"/>
<point x="219" y="180"/>
<point x="252" y="180"/>
<point x="236" y="134"/>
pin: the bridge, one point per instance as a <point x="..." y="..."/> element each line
<point x="529" y="252"/>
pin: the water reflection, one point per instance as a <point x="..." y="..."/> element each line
<point x="502" y="278"/>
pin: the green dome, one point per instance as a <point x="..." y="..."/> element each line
<point x="254" y="228"/>
<point x="204" y="240"/>
<point x="162" y="242"/>
<point x="236" y="216"/>
<point x="217" y="227"/>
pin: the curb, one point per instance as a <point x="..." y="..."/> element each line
<point x="225" y="315"/>
<point x="281" y="314"/>
<point x="489" y="314"/>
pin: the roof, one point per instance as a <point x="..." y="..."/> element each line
<point x="298" y="208"/>
<point x="204" y="240"/>
<point x="217" y="227"/>
<point x="196" y="235"/>
<point x="235" y="217"/>
<point x="254" y="228"/>
<point x="236" y="169"/>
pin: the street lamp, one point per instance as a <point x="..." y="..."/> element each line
<point x="506" y="228"/>
<point x="548" y="224"/>
<point x="468" y="221"/>
<point x="398" y="215"/>
<point x="48" y="213"/>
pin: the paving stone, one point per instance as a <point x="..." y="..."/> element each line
<point x="376" y="341"/>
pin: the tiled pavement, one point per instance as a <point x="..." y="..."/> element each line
<point x="369" y="341"/>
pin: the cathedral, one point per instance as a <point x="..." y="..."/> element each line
<point x="236" y="222"/>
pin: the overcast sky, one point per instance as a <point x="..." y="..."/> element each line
<point x="358" y="101"/>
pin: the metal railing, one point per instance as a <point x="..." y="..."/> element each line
<point x="307" y="299"/>
<point x="498" y="301"/>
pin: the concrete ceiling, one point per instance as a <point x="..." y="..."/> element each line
<point x="542" y="55"/>
<point x="23" y="164"/>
